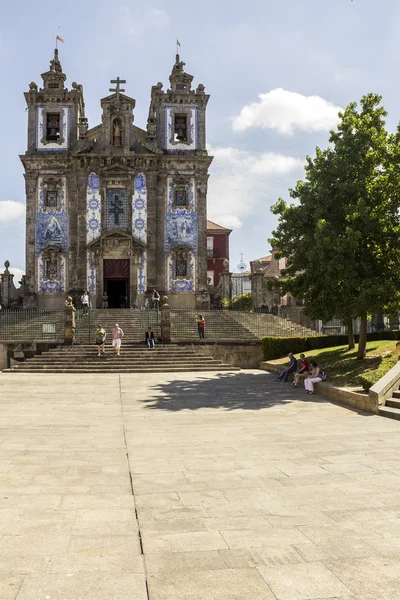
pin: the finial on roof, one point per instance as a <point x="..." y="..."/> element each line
<point x="55" y="64"/>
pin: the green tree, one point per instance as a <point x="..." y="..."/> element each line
<point x="341" y="239"/>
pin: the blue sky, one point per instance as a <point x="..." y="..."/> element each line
<point x="276" y="71"/>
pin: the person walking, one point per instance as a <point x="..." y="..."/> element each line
<point x="117" y="334"/>
<point x="100" y="339"/>
<point x="201" y="325"/>
<point x="315" y="377"/>
<point x="85" y="302"/>
<point x="156" y="299"/>
<point x="104" y="300"/>
<point x="291" y="368"/>
<point x="149" y="338"/>
<point x="302" y="372"/>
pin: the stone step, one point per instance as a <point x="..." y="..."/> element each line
<point x="120" y="359"/>
<point x="393" y="403"/>
<point x="396" y="394"/>
<point x="391" y="413"/>
<point x="104" y="369"/>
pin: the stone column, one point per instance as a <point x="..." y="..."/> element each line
<point x="226" y="278"/>
<point x="257" y="288"/>
<point x="156" y="257"/>
<point x="30" y="299"/>
<point x="201" y="208"/>
<point x="69" y="325"/>
<point x="166" y="322"/>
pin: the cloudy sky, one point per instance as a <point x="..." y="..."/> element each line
<point x="277" y="71"/>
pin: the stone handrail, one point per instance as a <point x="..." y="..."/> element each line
<point x="384" y="388"/>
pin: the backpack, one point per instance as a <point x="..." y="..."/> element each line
<point x="322" y="374"/>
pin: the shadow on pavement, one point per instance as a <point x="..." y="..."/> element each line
<point x="230" y="391"/>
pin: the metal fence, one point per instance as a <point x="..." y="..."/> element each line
<point x="229" y="325"/>
<point x="85" y="325"/>
<point x="31" y="325"/>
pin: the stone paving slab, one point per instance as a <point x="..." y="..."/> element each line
<point x="239" y="486"/>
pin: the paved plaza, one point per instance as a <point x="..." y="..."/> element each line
<point x="193" y="486"/>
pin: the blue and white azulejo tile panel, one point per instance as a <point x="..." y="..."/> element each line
<point x="65" y="128"/>
<point x="51" y="227"/>
<point x="93" y="208"/>
<point x="139" y="209"/>
<point x="54" y="285"/>
<point x="181" y="230"/>
<point x="191" y="195"/>
<point x="181" y="285"/>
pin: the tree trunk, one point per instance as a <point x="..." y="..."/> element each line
<point x="362" y="340"/>
<point x="350" y="333"/>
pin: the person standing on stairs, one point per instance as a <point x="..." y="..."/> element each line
<point x="201" y="325"/>
<point x="117" y="334"/>
<point x="100" y="339"/>
<point x="85" y="302"/>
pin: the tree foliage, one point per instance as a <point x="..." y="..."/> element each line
<point x="341" y="238"/>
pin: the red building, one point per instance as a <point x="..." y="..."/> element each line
<point x="217" y="251"/>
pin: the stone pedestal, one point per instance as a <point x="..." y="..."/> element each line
<point x="166" y="323"/>
<point x="226" y="287"/>
<point x="202" y="301"/>
<point x="257" y="289"/>
<point x="69" y="325"/>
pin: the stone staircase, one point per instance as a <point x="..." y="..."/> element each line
<point x="234" y="326"/>
<point x="133" y="359"/>
<point x="219" y="326"/>
<point x="134" y="324"/>
<point x="270" y="325"/>
<point x="391" y="409"/>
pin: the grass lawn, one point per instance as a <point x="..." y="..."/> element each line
<point x="344" y="370"/>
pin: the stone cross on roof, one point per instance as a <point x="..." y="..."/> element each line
<point x="117" y="81"/>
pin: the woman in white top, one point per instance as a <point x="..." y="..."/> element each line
<point x="85" y="302"/>
<point x="118" y="334"/>
<point x="315" y="377"/>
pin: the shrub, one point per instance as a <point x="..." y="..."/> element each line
<point x="368" y="378"/>
<point x="242" y="302"/>
<point x="274" y="347"/>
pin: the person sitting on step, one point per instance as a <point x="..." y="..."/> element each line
<point x="149" y="338"/>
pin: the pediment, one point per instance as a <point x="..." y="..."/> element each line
<point x="115" y="236"/>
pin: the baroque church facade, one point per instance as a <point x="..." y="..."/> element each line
<point x="114" y="207"/>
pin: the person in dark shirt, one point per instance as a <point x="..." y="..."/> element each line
<point x="302" y="372"/>
<point x="291" y="368"/>
<point x="149" y="337"/>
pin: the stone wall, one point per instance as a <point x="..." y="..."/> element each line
<point x="245" y="356"/>
<point x="352" y="398"/>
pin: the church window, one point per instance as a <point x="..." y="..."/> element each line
<point x="51" y="269"/>
<point x="180" y="128"/>
<point x="181" y="196"/>
<point x="51" y="199"/>
<point x="53" y="127"/>
<point x="116" y="208"/>
<point x="181" y="264"/>
<point x="210" y="247"/>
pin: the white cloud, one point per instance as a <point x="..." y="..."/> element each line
<point x="287" y="111"/>
<point x="137" y="20"/>
<point x="9" y="210"/>
<point x="240" y="181"/>
<point x="17" y="275"/>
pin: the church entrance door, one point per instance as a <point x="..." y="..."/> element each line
<point x="116" y="282"/>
